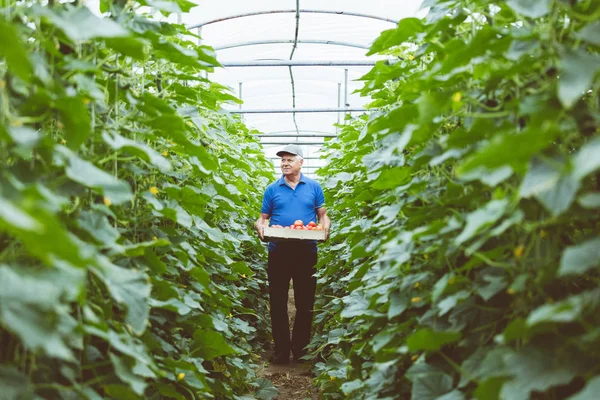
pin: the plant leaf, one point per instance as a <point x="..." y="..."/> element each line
<point x="578" y="259"/>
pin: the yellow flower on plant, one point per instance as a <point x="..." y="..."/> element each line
<point x="518" y="252"/>
<point x="154" y="190"/>
<point x="414" y="357"/>
<point x="180" y="376"/>
<point x="165" y="153"/>
<point x="456" y="97"/>
<point x="86" y="101"/>
<point x="154" y="238"/>
<point x="243" y="275"/>
<point x="511" y="291"/>
<point x="415" y="299"/>
<point x="425" y="256"/>
<point x="63" y="141"/>
<point x="332" y="378"/>
<point x="107" y="201"/>
<point x="411" y="57"/>
<point x="417" y="284"/>
<point x="230" y="315"/>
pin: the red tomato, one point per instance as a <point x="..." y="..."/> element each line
<point x="312" y="223"/>
<point x="298" y="222"/>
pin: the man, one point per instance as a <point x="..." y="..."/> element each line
<point x="290" y="198"/>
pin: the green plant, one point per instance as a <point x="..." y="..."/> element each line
<point x="463" y="261"/>
<point x="127" y="265"/>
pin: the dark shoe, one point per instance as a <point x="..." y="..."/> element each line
<point x="279" y="360"/>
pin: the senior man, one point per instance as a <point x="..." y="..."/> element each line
<point x="292" y="197"/>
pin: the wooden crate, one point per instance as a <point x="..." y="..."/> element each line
<point x="293" y="234"/>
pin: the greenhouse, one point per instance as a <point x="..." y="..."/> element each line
<point x="299" y="199"/>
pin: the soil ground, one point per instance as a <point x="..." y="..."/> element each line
<point x="294" y="381"/>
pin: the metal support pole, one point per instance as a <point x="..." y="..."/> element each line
<point x="199" y="35"/>
<point x="294" y="63"/>
<point x="240" y="94"/>
<point x="298" y="110"/>
<point x="339" y="102"/>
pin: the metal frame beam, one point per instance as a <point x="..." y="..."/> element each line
<point x="298" y="110"/>
<point x="291" y="41"/>
<point x="298" y="143"/>
<point x="292" y="63"/>
<point x="305" y="135"/>
<point x="294" y="131"/>
<point x="306" y="11"/>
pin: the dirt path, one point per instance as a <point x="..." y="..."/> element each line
<point x="294" y="381"/>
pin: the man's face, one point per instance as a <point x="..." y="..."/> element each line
<point x="290" y="165"/>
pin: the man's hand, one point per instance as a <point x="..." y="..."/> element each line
<point x="324" y="219"/>
<point x="260" y="224"/>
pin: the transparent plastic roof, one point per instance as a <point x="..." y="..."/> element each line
<point x="270" y="87"/>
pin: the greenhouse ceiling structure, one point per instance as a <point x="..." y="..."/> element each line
<point x="295" y="63"/>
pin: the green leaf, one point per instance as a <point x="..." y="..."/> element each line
<point x="125" y="374"/>
<point x="482" y="217"/>
<point x="450" y="302"/>
<point x="589" y="200"/>
<point x="76" y="119"/>
<point x="135" y="48"/>
<point x="489" y="389"/>
<point x="210" y="344"/>
<point x="578" y="69"/>
<point x="393" y="177"/>
<point x="567" y="310"/>
<point x="24" y="136"/>
<point x="551" y="185"/>
<point x="398" y="304"/>
<point x="407" y="29"/>
<point x="15" y="53"/>
<point x="586" y="160"/>
<point x="426" y="339"/>
<point x="579" y="259"/>
<point x="428" y="382"/>
<point x="140" y="149"/>
<point x="28" y="308"/>
<point x="12" y="215"/>
<point x="14" y="384"/>
<point x="265" y="389"/>
<point x="590" y="392"/>
<point x="534" y="370"/>
<point x="508" y="149"/>
<point x="590" y="33"/>
<point x="130" y="288"/>
<point x="530" y="8"/>
<point x="98" y="227"/>
<point x="87" y="174"/>
<point x="80" y="24"/>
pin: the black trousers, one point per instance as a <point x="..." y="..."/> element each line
<point x="291" y="261"/>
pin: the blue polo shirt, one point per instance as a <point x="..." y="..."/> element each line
<point x="286" y="205"/>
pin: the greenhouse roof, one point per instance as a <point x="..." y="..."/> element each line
<point x="250" y="36"/>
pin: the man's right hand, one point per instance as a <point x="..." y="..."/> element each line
<point x="260" y="229"/>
